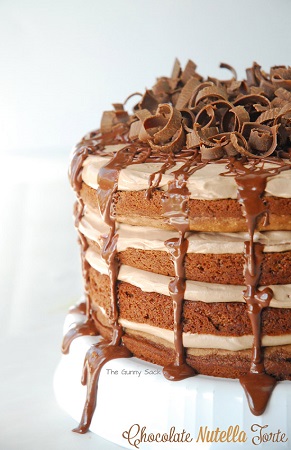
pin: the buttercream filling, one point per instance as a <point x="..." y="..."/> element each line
<point x="195" y="340"/>
<point x="204" y="184"/>
<point x="149" y="238"/>
<point x="195" y="291"/>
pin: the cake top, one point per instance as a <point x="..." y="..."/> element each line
<point x="217" y="118"/>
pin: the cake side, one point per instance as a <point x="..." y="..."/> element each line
<point x="198" y="160"/>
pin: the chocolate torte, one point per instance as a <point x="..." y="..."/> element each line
<point x="184" y="219"/>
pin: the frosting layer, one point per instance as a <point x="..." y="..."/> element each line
<point x="195" y="291"/>
<point x="207" y="340"/>
<point x="148" y="238"/>
<point x="204" y="184"/>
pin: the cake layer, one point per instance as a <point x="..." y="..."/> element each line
<point x="211" y="258"/>
<point x="153" y="313"/>
<point x="214" y="362"/>
<point x="233" y="361"/>
<point x="224" y="215"/>
<point x="195" y="291"/>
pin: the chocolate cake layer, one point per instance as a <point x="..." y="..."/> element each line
<point x="220" y="319"/>
<point x="214" y="362"/>
<point x="209" y="268"/>
<point x="223" y="215"/>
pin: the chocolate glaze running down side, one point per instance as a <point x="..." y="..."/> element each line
<point x="192" y="122"/>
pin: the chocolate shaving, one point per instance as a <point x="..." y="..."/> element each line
<point x="186" y="93"/>
<point x="234" y="118"/>
<point x="251" y="99"/>
<point x="176" y="72"/>
<point x="174" y="145"/>
<point x="212" y="92"/>
<point x="148" y="101"/>
<point x="283" y="94"/>
<point x="135" y="129"/>
<point x="228" y="115"/>
<point x="163" y="130"/>
<point x="111" y="118"/>
<point x="211" y="153"/>
<point x="188" y="72"/>
<point x="228" y="67"/>
<point x="200" y="135"/>
<point x="281" y="77"/>
<point x="268" y="115"/>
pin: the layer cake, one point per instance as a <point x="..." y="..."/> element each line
<point x="184" y="219"/>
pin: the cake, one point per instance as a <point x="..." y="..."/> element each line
<point x="183" y="214"/>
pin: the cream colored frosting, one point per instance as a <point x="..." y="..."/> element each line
<point x="147" y="238"/>
<point x="204" y="184"/>
<point x="195" y="340"/>
<point x="195" y="291"/>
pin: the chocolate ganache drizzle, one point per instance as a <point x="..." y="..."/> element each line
<point x="184" y="123"/>
<point x="176" y="214"/>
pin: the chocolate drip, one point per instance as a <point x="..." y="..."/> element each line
<point x="105" y="351"/>
<point x="108" y="183"/>
<point x="156" y="177"/>
<point x="87" y="327"/>
<point x="251" y="182"/>
<point x="96" y="357"/>
<point x="175" y="213"/>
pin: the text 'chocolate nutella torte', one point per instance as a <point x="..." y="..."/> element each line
<point x="184" y="219"/>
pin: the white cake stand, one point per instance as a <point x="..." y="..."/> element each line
<point x="134" y="395"/>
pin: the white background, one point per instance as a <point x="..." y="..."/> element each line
<point x="62" y="63"/>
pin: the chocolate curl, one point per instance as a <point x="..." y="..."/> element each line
<point x="161" y="90"/>
<point x="186" y="93"/>
<point x="206" y="116"/>
<point x="149" y="102"/>
<point x="254" y="75"/>
<point x="234" y="118"/>
<point x="269" y="114"/>
<point x="242" y="149"/>
<point x="131" y="96"/>
<point x="142" y="115"/>
<point x="267" y="87"/>
<point x="192" y="101"/>
<point x="163" y="131"/>
<point x="135" y="129"/>
<point x="211" y="153"/>
<point x="188" y="118"/>
<point x="164" y="124"/>
<point x="228" y="67"/>
<point x="188" y="72"/>
<point x="111" y="118"/>
<point x="281" y="77"/>
<point x="250" y="99"/>
<point x="211" y="92"/>
<point x="199" y="135"/>
<point x="283" y="94"/>
<point x="202" y="135"/>
<point x="175" y="145"/>
<point x="237" y="87"/>
<point x="285" y="112"/>
<point x="261" y="139"/>
<point x="176" y="72"/>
